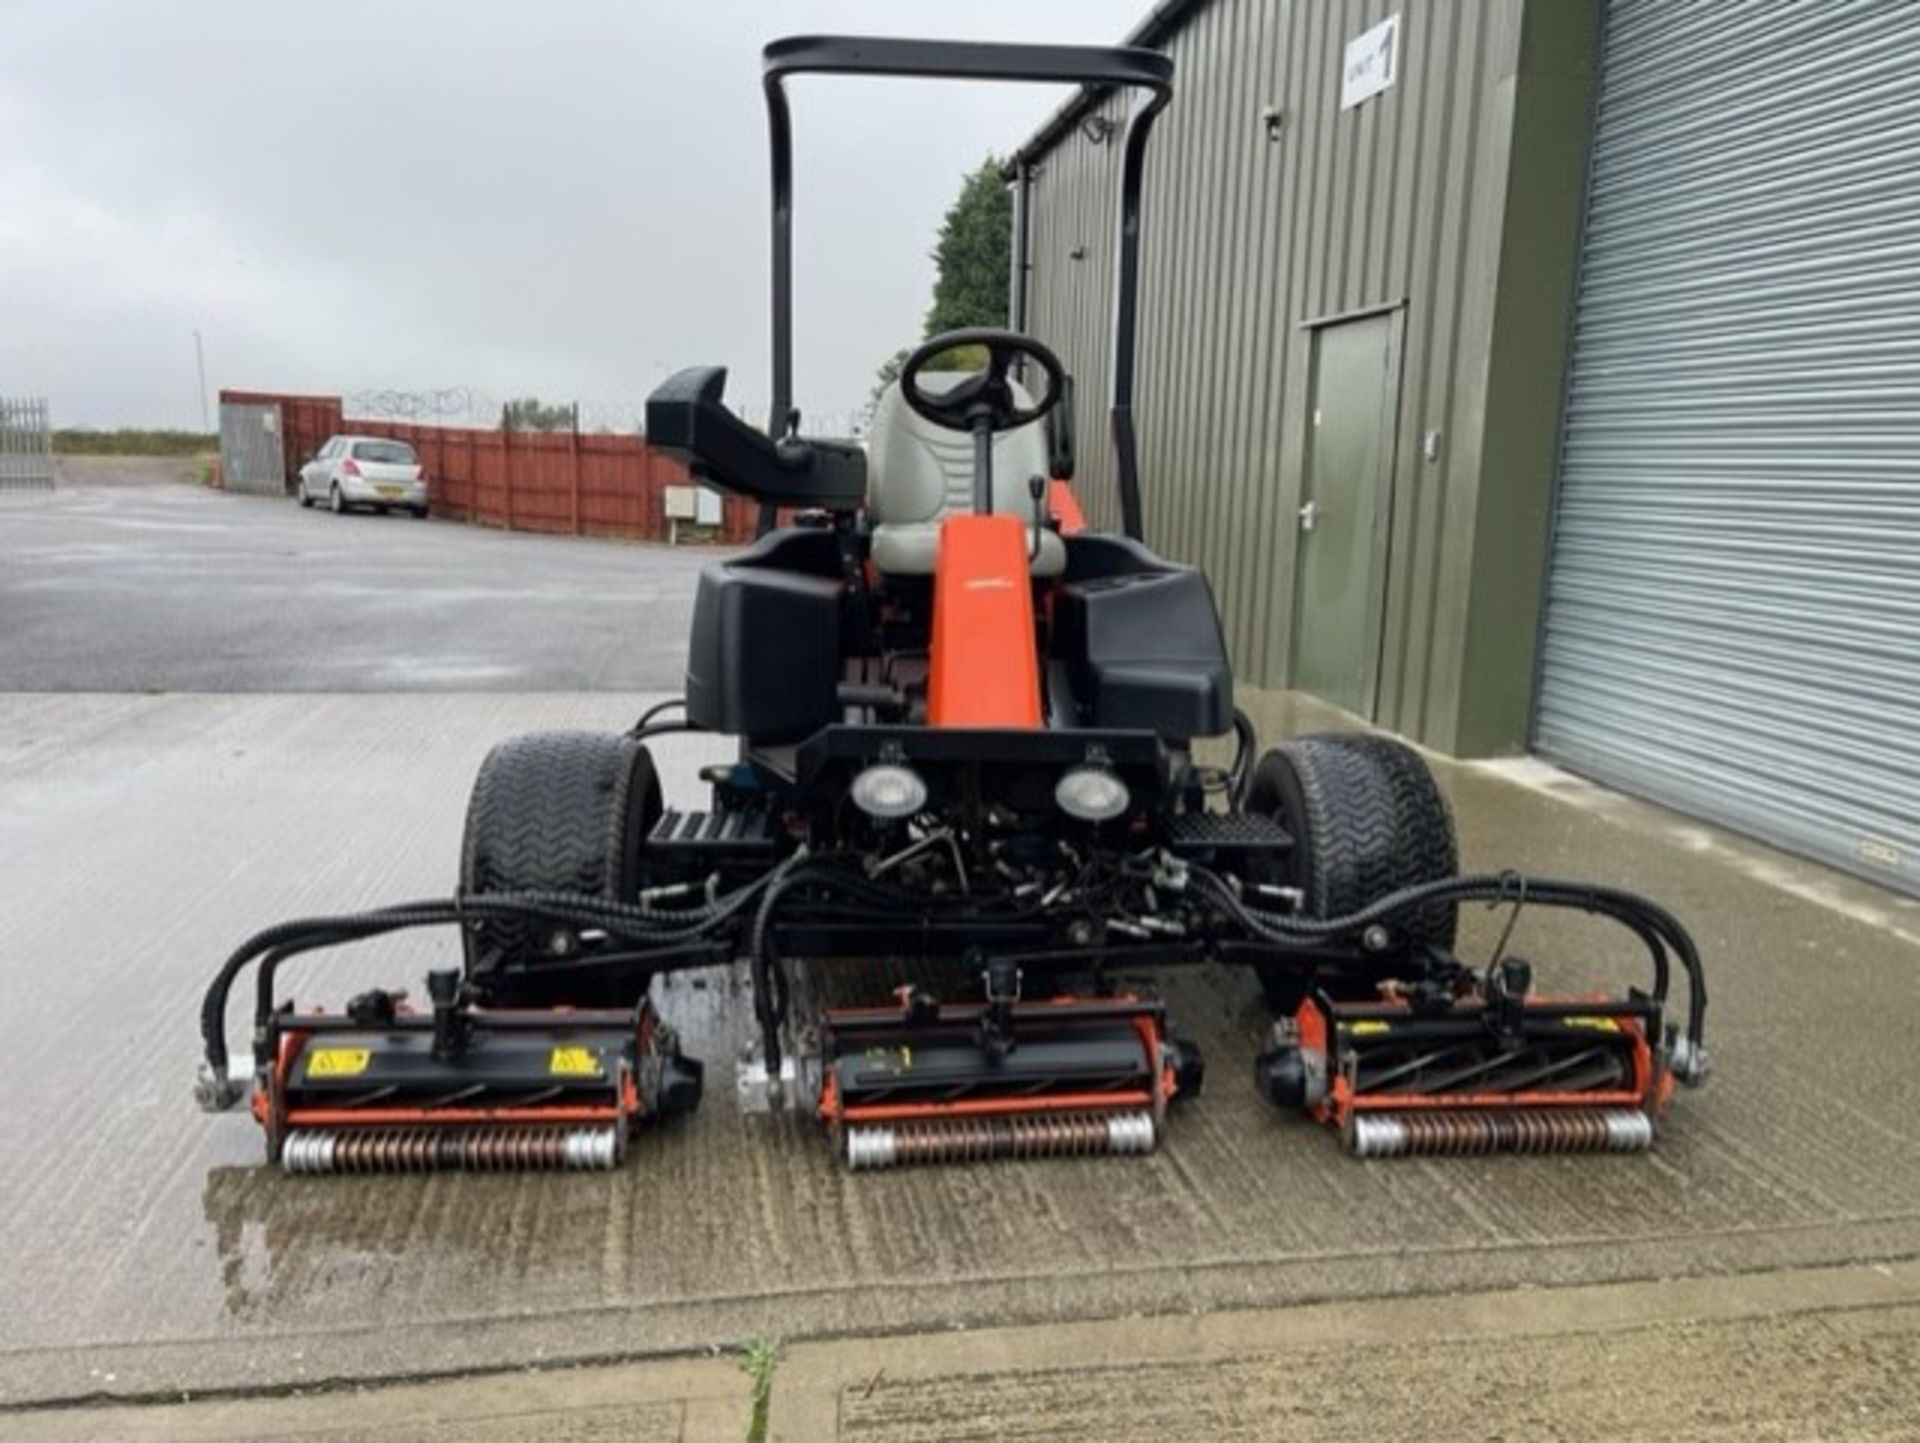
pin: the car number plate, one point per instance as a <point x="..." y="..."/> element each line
<point x="389" y="490"/>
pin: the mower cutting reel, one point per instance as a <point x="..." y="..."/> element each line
<point x="1490" y="1069"/>
<point x="923" y="1082"/>
<point x="383" y="1089"/>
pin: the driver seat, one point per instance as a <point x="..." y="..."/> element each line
<point x="918" y="474"/>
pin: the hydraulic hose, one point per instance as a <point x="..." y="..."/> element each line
<point x="1246" y="742"/>
<point x="647" y="717"/>
<point x="288" y="939"/>
<point x="1652" y="923"/>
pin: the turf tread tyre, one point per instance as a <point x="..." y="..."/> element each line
<point x="1423" y="827"/>
<point x="1367" y="820"/>
<point x="554" y="811"/>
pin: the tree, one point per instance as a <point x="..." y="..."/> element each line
<point x="970" y="259"/>
<point x="530" y="413"/>
<point x="970" y="287"/>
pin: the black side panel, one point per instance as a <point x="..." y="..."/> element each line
<point x="763" y="661"/>
<point x="1143" y="649"/>
<point x="1092" y="554"/>
<point x="811" y="550"/>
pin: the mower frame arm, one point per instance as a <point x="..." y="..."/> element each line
<point x="1097" y="68"/>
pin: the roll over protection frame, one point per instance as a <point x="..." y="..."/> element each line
<point x="1096" y="67"/>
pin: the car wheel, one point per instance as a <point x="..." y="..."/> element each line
<point x="336" y="503"/>
<point x="1367" y="819"/>
<point x="300" y="490"/>
<point x="555" y="812"/>
<point x="420" y="513"/>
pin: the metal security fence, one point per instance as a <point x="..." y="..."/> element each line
<point x="26" y="444"/>
<point x="251" y="454"/>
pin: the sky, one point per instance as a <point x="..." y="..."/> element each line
<point x="471" y="197"/>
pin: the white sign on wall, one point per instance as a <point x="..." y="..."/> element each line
<point x="682" y="503"/>
<point x="1371" y="61"/>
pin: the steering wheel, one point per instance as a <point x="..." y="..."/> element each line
<point x="986" y="397"/>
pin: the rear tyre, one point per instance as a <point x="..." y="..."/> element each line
<point x="336" y="503"/>
<point x="300" y="490"/>
<point x="555" y="812"/>
<point x="420" y="513"/>
<point x="1367" y="819"/>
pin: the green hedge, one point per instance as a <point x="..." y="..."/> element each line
<point x="130" y="441"/>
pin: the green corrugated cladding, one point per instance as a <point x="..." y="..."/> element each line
<point x="1457" y="192"/>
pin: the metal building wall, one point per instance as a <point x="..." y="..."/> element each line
<point x="1733" y="620"/>
<point x="1246" y="238"/>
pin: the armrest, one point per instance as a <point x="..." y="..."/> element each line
<point x="685" y="418"/>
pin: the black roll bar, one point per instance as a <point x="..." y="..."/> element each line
<point x="1096" y="67"/>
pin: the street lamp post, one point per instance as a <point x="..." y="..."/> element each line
<point x="200" y="362"/>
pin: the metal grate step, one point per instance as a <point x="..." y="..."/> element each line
<point x="710" y="832"/>
<point x="1226" y="831"/>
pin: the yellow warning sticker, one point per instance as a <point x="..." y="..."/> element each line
<point x="1369" y="1029"/>
<point x="337" y="1061"/>
<point x="1593" y="1024"/>
<point x="573" y="1062"/>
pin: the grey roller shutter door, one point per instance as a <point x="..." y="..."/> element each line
<point x="1733" y="615"/>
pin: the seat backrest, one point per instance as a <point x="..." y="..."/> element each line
<point x="917" y="471"/>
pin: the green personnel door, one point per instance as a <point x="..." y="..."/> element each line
<point x="1340" y="566"/>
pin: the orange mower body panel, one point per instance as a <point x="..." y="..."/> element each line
<point x="1065" y="507"/>
<point x="985" y="663"/>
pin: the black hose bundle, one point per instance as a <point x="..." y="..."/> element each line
<point x="657" y="927"/>
<point x="826" y="875"/>
<point x="1657" y="929"/>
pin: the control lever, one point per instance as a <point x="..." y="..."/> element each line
<point x="1037" y="489"/>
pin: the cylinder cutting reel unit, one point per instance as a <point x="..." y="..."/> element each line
<point x="384" y="1088"/>
<point x="923" y="1082"/>
<point x="1482" y="1065"/>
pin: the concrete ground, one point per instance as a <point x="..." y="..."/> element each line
<point x="1828" y="1353"/>
<point x="150" y="1256"/>
<point x="109" y="585"/>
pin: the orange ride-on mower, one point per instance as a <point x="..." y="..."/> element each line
<point x="966" y="749"/>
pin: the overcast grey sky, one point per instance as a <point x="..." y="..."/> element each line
<point x="563" y="199"/>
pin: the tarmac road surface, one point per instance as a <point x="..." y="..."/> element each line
<point x="167" y="587"/>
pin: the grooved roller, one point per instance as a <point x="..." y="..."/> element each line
<point x="1526" y="1130"/>
<point x="975" y="1139"/>
<point x="427" y="1149"/>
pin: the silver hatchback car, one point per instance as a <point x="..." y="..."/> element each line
<point x="371" y="471"/>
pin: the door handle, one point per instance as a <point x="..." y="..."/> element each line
<point x="1309" y="514"/>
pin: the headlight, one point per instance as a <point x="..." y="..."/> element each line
<point x="889" y="791"/>
<point x="1093" y="794"/>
